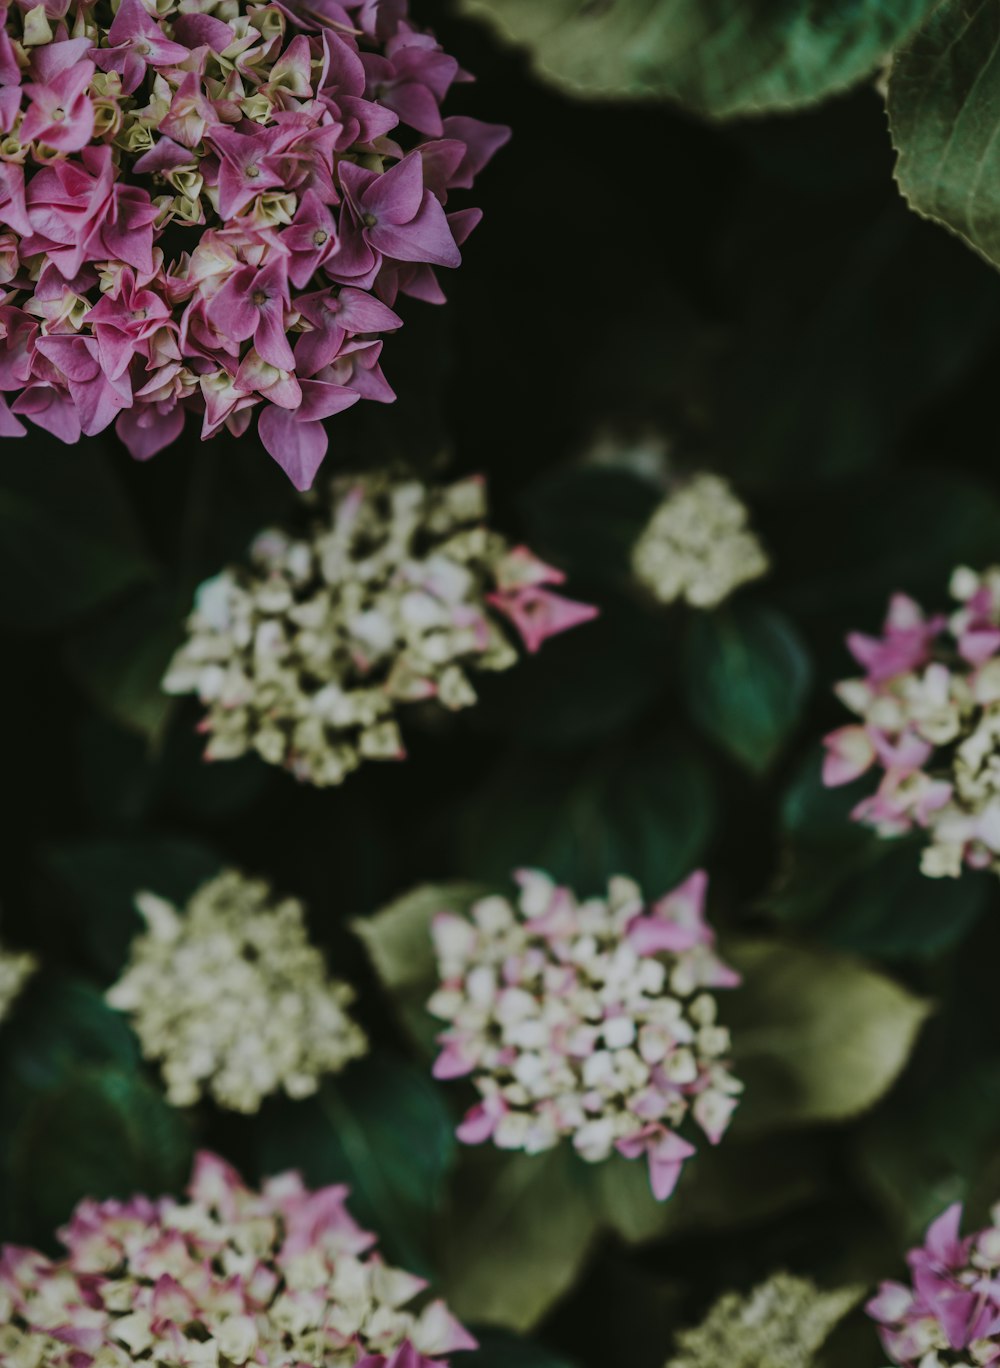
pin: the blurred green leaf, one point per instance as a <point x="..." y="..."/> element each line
<point x="817" y="1036"/>
<point x="721" y="1189"/>
<point x="497" y="1349"/>
<point x="929" y="1150"/>
<point x="648" y="812"/>
<point x="61" y="1025"/>
<point x="859" y="892"/>
<point x="383" y="1128"/>
<point x="398" y="941"/>
<point x="121" y="658"/>
<point x="105" y="1132"/>
<point x="521" y="1228"/>
<point x="102" y="877"/>
<point x="721" y="57"/>
<point x="945" y="122"/>
<point x="588" y="518"/>
<point x="746" y="677"/>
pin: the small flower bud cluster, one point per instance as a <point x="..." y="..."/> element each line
<point x="307" y="656"/>
<point x="950" y="1317"/>
<point x="929" y="704"/>
<point x="282" y="1277"/>
<point x="212" y="206"/>
<point x="232" y="998"/>
<point x="15" y="971"/>
<point x="780" y="1324"/>
<point x="586" y="1019"/>
<point x="698" y="546"/>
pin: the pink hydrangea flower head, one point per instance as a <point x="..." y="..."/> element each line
<point x="928" y="706"/>
<point x="282" y="1276"/>
<point x="236" y="190"/>
<point x="950" y="1313"/>
<point x="586" y="1019"/>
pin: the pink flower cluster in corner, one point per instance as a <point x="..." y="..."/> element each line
<point x="214" y="207"/>
<point x="283" y="1277"/>
<point x="951" y="1314"/>
<point x="929" y="709"/>
<point x="586" y="1019"/>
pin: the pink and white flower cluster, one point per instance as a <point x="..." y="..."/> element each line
<point x="587" y="1019"/>
<point x="212" y="205"/>
<point x="281" y="1278"/>
<point x="309" y="655"/>
<point x="951" y="1313"/>
<point x="929" y="704"/>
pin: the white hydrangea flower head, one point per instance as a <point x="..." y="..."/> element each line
<point x="232" y="999"/>
<point x="780" y="1324"/>
<point x="307" y="655"/>
<point x="232" y="1276"/>
<point x="698" y="545"/>
<point x="589" y="1020"/>
<point x="16" y="968"/>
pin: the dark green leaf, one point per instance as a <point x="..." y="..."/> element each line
<point x="945" y="121"/>
<point x="721" y="57"/>
<point x="105" y="1132"/>
<point x="103" y="877"/>
<point x="384" y="1129"/>
<point x="497" y="1349"/>
<point x="588" y="518"/>
<point x="121" y="659"/>
<point x="647" y="813"/>
<point x="746" y="677"/>
<point x="68" y="542"/>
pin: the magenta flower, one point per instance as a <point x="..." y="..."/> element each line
<point x="303" y="154"/>
<point x="953" y="1306"/>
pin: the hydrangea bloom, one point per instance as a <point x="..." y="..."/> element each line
<point x="951" y="1314"/>
<point x="780" y="1324"/>
<point x="279" y="1278"/>
<point x="929" y="704"/>
<point x="213" y="207"/>
<point x="15" y="970"/>
<point x="697" y="546"/>
<point x="307" y="655"/>
<point x="587" y="1019"/>
<point x="232" y="998"/>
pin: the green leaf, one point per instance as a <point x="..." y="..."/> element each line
<point x="721" y="1189"/>
<point x="858" y="892"/>
<point x="746" y="677"/>
<point x="398" y="941"/>
<point x="106" y="1132"/>
<point x="945" y="121"/>
<point x="647" y="812"/>
<point x="521" y="1230"/>
<point x="720" y="57"/>
<point x="120" y="659"/>
<point x="68" y="541"/>
<point x="383" y="1128"/>
<point x="102" y="878"/>
<point x="497" y="1349"/>
<point x="817" y="1036"/>
<point x="588" y="518"/>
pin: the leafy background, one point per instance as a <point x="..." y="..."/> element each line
<point x="756" y="293"/>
